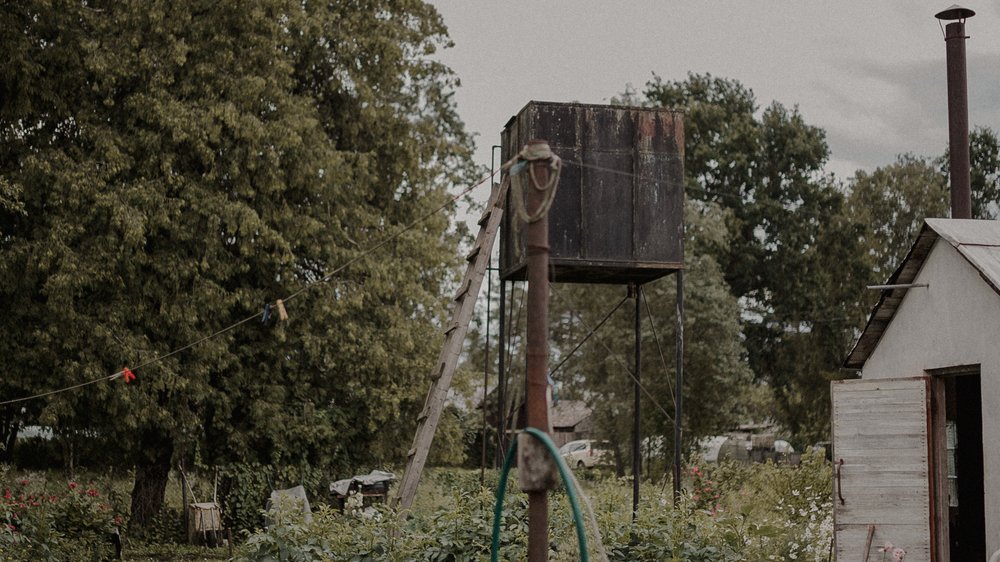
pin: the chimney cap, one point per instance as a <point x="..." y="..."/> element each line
<point x="955" y="12"/>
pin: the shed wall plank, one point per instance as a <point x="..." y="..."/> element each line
<point x="880" y="430"/>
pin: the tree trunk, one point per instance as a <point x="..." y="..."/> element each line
<point x="9" y="426"/>
<point x="152" y="469"/>
<point x="619" y="463"/>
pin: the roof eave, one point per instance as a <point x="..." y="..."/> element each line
<point x="890" y="299"/>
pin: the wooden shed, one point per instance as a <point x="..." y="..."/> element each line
<point x="914" y="439"/>
<point x="571" y="420"/>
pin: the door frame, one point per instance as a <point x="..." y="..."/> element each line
<point x="940" y="526"/>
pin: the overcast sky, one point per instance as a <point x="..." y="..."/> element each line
<point x="871" y="74"/>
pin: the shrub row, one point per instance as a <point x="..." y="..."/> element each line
<point x="730" y="512"/>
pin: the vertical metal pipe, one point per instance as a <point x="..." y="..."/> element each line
<point x="486" y="370"/>
<point x="637" y="407"/>
<point x="679" y="387"/>
<point x="502" y="378"/>
<point x="184" y="505"/>
<point x="958" y="121"/>
<point x="536" y="386"/>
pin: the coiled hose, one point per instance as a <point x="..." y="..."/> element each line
<point x="581" y="535"/>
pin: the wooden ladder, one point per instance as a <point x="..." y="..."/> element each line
<point x="465" y="303"/>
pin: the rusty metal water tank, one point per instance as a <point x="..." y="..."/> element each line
<point x="617" y="216"/>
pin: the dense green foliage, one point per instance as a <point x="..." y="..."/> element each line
<point x="44" y="519"/>
<point x="892" y="202"/>
<point x="762" y="511"/>
<point x="984" y="172"/>
<point x="789" y="246"/>
<point x="167" y="168"/>
<point x="729" y="512"/>
<point x="801" y="247"/>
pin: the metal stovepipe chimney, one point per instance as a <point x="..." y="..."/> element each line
<point x="958" y="110"/>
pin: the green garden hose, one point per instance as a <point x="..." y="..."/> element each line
<point x="563" y="472"/>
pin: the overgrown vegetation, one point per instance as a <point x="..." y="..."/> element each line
<point x="728" y="512"/>
<point x="755" y="512"/>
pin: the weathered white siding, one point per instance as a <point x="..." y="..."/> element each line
<point x="955" y="321"/>
<point x="881" y="431"/>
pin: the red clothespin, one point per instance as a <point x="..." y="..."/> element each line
<point x="128" y="374"/>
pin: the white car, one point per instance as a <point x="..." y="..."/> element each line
<point x="586" y="453"/>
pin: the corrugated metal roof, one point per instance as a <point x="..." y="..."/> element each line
<point x="978" y="241"/>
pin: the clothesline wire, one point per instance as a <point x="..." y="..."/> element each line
<point x="365" y="253"/>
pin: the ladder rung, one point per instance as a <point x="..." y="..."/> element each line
<point x="451" y="328"/>
<point x="424" y="414"/>
<point x="438" y="372"/>
<point x="412" y="452"/>
<point x="473" y="254"/>
<point x="463" y="290"/>
<point x="486" y="216"/>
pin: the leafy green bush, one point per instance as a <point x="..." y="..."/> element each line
<point x="459" y="531"/>
<point x="730" y="512"/>
<point x="57" y="521"/>
<point x="244" y="489"/>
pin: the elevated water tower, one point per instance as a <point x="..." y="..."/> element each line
<point x="616" y="217"/>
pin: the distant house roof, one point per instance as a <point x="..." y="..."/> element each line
<point x="978" y="241"/>
<point x="568" y="413"/>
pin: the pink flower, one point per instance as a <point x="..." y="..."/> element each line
<point x="24" y="482"/>
<point x="92" y="493"/>
<point x="72" y="485"/>
<point x="886" y="548"/>
<point x="898" y="554"/>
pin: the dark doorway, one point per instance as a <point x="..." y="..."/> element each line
<point x="966" y="497"/>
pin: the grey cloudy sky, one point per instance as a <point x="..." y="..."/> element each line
<point x="872" y="74"/>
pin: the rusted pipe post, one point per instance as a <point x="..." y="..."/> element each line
<point x="958" y="121"/>
<point x="958" y="111"/>
<point x="536" y="469"/>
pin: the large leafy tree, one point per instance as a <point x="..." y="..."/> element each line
<point x="984" y="155"/>
<point x="892" y="202"/>
<point x="764" y="167"/>
<point x="167" y="168"/>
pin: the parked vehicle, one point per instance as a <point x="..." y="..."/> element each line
<point x="586" y="453"/>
